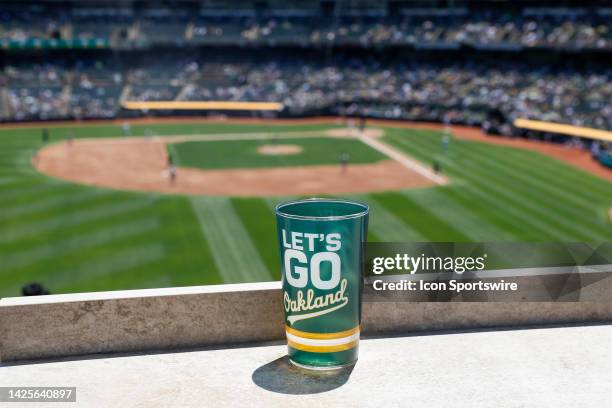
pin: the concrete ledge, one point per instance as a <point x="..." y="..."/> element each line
<point x="127" y="321"/>
<point x="563" y="367"/>
<point x="176" y="318"/>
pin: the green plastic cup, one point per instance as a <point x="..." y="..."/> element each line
<point x="321" y="262"/>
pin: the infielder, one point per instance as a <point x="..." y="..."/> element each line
<point x="344" y="160"/>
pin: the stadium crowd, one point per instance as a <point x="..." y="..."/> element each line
<point x="553" y="28"/>
<point x="460" y="92"/>
<point x="314" y="58"/>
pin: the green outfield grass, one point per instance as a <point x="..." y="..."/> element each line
<point x="78" y="238"/>
<point x="243" y="153"/>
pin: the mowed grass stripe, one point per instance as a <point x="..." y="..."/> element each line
<point x="9" y="154"/>
<point x="70" y="229"/>
<point x="528" y="188"/>
<point x="74" y="218"/>
<point x="8" y="191"/>
<point x="535" y="177"/>
<point x="260" y="223"/>
<point x="491" y="214"/>
<point x="70" y="274"/>
<point x="19" y="172"/>
<point x="386" y="226"/>
<point x="530" y="183"/>
<point x="148" y="282"/>
<point x="478" y="178"/>
<point x="110" y="199"/>
<point x="76" y="197"/>
<point x="14" y="182"/>
<point x="545" y="229"/>
<point x="140" y="276"/>
<point x="7" y="180"/>
<point x="458" y="216"/>
<point x="58" y="191"/>
<point x="14" y="150"/>
<point x="529" y="212"/>
<point x="559" y="174"/>
<point x="374" y="237"/>
<point x="419" y="218"/>
<point x="19" y="164"/>
<point x="555" y="172"/>
<point x="16" y="260"/>
<point x="187" y="260"/>
<point x="235" y="255"/>
<point x="117" y="262"/>
<point x="19" y="161"/>
<point x="483" y="190"/>
<point x="17" y="156"/>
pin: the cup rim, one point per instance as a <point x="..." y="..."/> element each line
<point x="279" y="207"/>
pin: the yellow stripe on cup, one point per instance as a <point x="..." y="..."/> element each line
<point x="322" y="342"/>
<point x="323" y="349"/>
<point x="321" y="336"/>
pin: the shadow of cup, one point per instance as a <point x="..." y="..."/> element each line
<point x="283" y="377"/>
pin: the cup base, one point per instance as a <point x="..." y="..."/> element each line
<point x="322" y="368"/>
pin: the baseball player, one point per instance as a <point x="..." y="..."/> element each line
<point x="362" y="123"/>
<point x="446" y="140"/>
<point x="436" y="167"/>
<point x="172" y="174"/>
<point x="344" y="160"/>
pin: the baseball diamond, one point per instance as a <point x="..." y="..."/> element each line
<point x="96" y="231"/>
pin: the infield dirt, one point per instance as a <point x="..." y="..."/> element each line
<point x="141" y="165"/>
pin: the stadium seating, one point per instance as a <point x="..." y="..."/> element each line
<point x="458" y="92"/>
<point x="445" y="28"/>
<point x="439" y="64"/>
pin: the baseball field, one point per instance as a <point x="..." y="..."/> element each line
<point x="87" y="232"/>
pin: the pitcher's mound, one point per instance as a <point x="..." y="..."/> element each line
<point x="274" y="150"/>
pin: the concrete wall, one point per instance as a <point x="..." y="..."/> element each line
<point x="175" y="318"/>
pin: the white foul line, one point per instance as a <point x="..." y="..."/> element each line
<point x="403" y="159"/>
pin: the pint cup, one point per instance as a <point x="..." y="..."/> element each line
<point x="321" y="263"/>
